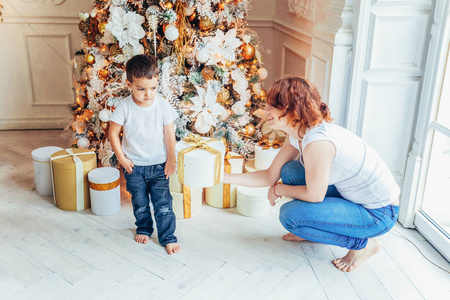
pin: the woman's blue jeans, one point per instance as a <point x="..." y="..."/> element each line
<point x="150" y="180"/>
<point x="335" y="221"/>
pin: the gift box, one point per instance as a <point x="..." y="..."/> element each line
<point x="264" y="156"/>
<point x="104" y="189"/>
<point x="224" y="195"/>
<point x="252" y="202"/>
<point x="69" y="169"/>
<point x="250" y="166"/>
<point x="187" y="202"/>
<point x="200" y="161"/>
<point x="41" y="166"/>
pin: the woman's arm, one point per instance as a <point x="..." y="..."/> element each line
<point x="317" y="157"/>
<point x="267" y="177"/>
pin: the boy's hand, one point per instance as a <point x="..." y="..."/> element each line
<point x="169" y="169"/>
<point x="128" y="165"/>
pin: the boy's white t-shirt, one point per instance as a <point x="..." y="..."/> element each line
<point x="143" y="129"/>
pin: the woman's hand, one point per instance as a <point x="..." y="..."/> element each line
<point x="271" y="195"/>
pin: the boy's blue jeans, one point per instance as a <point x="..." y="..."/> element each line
<point x="335" y="221"/>
<point x="145" y="180"/>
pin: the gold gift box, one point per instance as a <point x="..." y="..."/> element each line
<point x="64" y="178"/>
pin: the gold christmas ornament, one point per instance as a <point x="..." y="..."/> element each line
<point x="168" y="5"/>
<point x="103" y="73"/>
<point x="102" y="27"/>
<point x="105" y="125"/>
<point x="208" y="73"/>
<point x="90" y="59"/>
<point x="248" y="51"/>
<point x="250" y="129"/>
<point x="205" y="24"/>
<point x="263" y="94"/>
<point x="248" y="103"/>
<point x="223" y="95"/>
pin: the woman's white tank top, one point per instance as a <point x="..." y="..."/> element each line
<point x="357" y="172"/>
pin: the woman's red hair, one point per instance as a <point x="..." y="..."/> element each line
<point x="299" y="101"/>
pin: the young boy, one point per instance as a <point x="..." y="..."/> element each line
<point x="147" y="154"/>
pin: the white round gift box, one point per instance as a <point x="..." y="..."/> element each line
<point x="195" y="206"/>
<point x="264" y="158"/>
<point x="252" y="202"/>
<point x="105" y="201"/>
<point x="41" y="165"/>
<point x="199" y="164"/>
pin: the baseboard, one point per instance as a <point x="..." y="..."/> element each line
<point x="32" y="123"/>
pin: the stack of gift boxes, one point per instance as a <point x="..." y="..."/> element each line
<point x="201" y="163"/>
<point x="72" y="177"/>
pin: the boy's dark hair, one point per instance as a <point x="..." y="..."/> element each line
<point x="142" y="66"/>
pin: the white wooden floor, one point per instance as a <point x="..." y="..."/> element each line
<point x="47" y="253"/>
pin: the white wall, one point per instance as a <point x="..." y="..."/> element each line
<point x="38" y="41"/>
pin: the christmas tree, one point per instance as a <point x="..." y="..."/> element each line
<point x="210" y="68"/>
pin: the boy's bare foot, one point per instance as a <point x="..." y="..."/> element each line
<point x="172" y="248"/>
<point x="141" y="239"/>
<point x="292" y="237"/>
<point x="355" y="258"/>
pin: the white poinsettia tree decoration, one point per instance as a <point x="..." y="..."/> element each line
<point x="222" y="47"/>
<point x="206" y="109"/>
<point x="126" y="27"/>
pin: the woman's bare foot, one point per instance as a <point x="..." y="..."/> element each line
<point x="172" y="248"/>
<point x="141" y="239"/>
<point x="355" y="258"/>
<point x="292" y="237"/>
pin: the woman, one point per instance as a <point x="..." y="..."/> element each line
<point x="344" y="194"/>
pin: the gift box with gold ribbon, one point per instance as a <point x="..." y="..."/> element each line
<point x="69" y="169"/>
<point x="224" y="195"/>
<point x="187" y="202"/>
<point x="265" y="152"/>
<point x="200" y="161"/>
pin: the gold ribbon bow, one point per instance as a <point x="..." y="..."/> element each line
<point x="196" y="141"/>
<point x="266" y="144"/>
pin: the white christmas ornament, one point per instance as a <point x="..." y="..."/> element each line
<point x="94" y="12"/>
<point x="83" y="143"/>
<point x="263" y="73"/>
<point x="104" y="115"/>
<point x="189" y="11"/>
<point x="202" y="55"/>
<point x="171" y="33"/>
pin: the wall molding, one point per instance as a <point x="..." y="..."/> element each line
<point x="67" y="38"/>
<point x="298" y="53"/>
<point x="34" y="19"/>
<point x="305" y="9"/>
<point x="296" y="33"/>
<point x="55" y="2"/>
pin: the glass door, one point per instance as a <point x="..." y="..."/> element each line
<point x="433" y="216"/>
